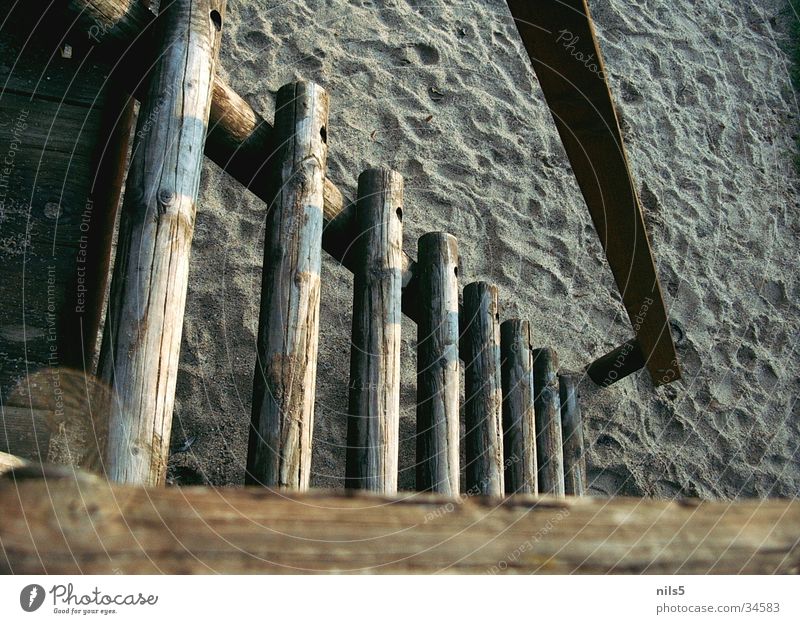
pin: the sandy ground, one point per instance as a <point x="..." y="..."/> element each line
<point x="443" y="92"/>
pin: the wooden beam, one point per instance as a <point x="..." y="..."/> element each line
<point x="92" y="527"/>
<point x="519" y="426"/>
<point x="617" y="364"/>
<point x="483" y="400"/>
<point x="560" y="39"/>
<point x="438" y="365"/>
<point x="373" y="415"/>
<point x="284" y="386"/>
<point x="151" y="270"/>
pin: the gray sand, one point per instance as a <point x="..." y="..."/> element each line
<point x="709" y="117"/>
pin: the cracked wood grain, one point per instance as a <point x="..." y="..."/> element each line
<point x="284" y="385"/>
<point x="373" y="419"/>
<point x="141" y="347"/>
<point x="519" y="428"/>
<point x="66" y="527"/>
<point x="438" y="365"/>
<point x="480" y="347"/>
<point x="547" y="408"/>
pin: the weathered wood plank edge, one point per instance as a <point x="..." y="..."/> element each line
<point x="90" y="526"/>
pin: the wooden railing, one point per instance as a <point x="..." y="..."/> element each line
<point x="63" y="525"/>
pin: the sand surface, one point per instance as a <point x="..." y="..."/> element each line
<point x="443" y="92"/>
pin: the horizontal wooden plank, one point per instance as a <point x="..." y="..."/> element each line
<point x="64" y="526"/>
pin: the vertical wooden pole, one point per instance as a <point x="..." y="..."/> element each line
<point x="548" y="422"/>
<point x="575" y="476"/>
<point x="482" y="387"/>
<point x="152" y="264"/>
<point x="374" y="396"/>
<point x="438" y="365"/>
<point x="279" y="450"/>
<point x="519" y="427"/>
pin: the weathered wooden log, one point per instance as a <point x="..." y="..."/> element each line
<point x="550" y="454"/>
<point x="148" y="292"/>
<point x="480" y="350"/>
<point x="239" y="140"/>
<point x="373" y="419"/>
<point x="438" y="364"/>
<point x="279" y="450"/>
<point x="63" y="527"/>
<point x="618" y="364"/>
<point x="519" y="426"/>
<point x="575" y="475"/>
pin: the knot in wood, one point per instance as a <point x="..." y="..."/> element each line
<point x="166" y="199"/>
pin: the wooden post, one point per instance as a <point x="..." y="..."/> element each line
<point x="438" y="365"/>
<point x="519" y="427"/>
<point x="482" y="388"/>
<point x="548" y="422"/>
<point x="617" y="364"/>
<point x="374" y="398"/>
<point x="152" y="264"/>
<point x="279" y="450"/>
<point x="575" y="476"/>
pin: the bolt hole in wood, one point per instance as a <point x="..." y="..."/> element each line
<point x="324" y="134"/>
<point x="455" y="271"/>
<point x="399" y="213"/>
<point x="216" y="19"/>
